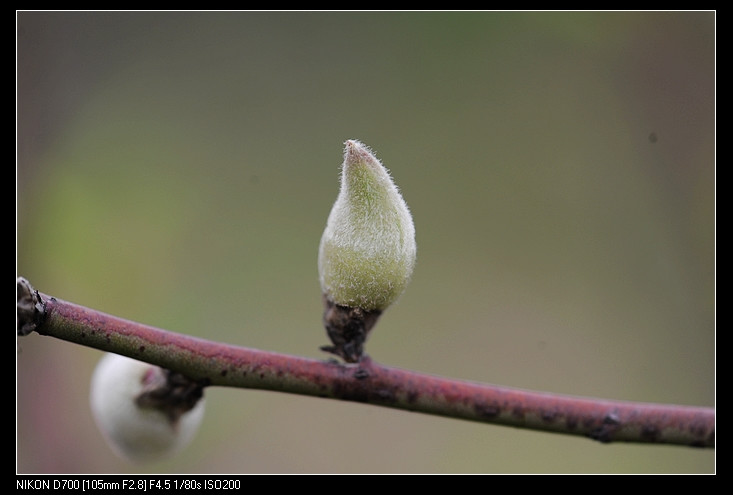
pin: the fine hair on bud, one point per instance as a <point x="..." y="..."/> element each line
<point x="367" y="252"/>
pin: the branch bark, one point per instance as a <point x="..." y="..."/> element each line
<point x="217" y="364"/>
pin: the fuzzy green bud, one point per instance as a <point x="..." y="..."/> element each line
<point x="367" y="252"/>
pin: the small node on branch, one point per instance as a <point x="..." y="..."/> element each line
<point x="348" y="329"/>
<point x="31" y="309"/>
<point x="172" y="393"/>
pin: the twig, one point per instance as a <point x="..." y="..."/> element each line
<point x="216" y="364"/>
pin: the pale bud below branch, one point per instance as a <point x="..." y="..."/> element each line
<point x="145" y="413"/>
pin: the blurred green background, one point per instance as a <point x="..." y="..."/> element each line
<point x="177" y="169"/>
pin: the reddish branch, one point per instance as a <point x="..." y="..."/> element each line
<point x="216" y="364"/>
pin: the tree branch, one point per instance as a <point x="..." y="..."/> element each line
<point x="216" y="364"/>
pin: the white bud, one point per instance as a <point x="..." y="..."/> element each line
<point x="140" y="430"/>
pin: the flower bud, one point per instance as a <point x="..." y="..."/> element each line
<point x="144" y="412"/>
<point x="367" y="251"/>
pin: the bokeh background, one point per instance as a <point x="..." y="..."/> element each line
<point x="177" y="169"/>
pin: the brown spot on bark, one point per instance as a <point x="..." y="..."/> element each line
<point x="548" y="416"/>
<point x="612" y="418"/>
<point x="697" y="430"/>
<point x="385" y="395"/>
<point x="361" y="374"/>
<point x="171" y="393"/>
<point x="605" y="432"/>
<point x="650" y="433"/>
<point x="487" y="410"/>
